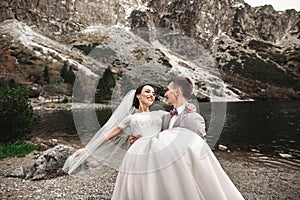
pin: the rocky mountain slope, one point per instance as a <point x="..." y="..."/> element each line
<point x="254" y="50"/>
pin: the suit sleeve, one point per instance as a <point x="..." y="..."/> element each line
<point x="196" y="123"/>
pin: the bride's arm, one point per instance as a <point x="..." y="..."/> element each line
<point x="124" y="124"/>
<point x="111" y="135"/>
<point x="114" y="133"/>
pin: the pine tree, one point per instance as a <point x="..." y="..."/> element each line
<point x="63" y="71"/>
<point x="46" y="73"/>
<point x="67" y="74"/>
<point x="105" y="86"/>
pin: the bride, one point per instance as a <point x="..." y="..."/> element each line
<point x="172" y="164"/>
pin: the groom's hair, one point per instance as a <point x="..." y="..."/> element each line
<point x="185" y="84"/>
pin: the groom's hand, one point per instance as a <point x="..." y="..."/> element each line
<point x="132" y="139"/>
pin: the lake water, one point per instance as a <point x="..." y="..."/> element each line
<point x="270" y="127"/>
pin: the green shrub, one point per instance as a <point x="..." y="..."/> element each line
<point x="16" y="113"/>
<point x="18" y="149"/>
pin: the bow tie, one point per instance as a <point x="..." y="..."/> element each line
<point x="174" y="112"/>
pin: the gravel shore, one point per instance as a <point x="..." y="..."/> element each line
<point x="255" y="178"/>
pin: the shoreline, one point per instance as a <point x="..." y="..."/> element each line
<point x="257" y="175"/>
<point x="255" y="179"/>
<point x="69" y="106"/>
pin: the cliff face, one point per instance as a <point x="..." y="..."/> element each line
<point x="208" y="19"/>
<point x="256" y="49"/>
<point x="62" y="17"/>
<point x="203" y="20"/>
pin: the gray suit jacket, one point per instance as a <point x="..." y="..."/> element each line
<point x="192" y="120"/>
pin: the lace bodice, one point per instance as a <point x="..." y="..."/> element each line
<point x="146" y="124"/>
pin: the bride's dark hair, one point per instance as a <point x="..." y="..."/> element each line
<point x="136" y="102"/>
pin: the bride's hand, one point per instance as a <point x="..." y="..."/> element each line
<point x="77" y="153"/>
<point x="189" y="107"/>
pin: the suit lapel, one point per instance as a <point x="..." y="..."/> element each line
<point x="166" y="122"/>
<point x="179" y="119"/>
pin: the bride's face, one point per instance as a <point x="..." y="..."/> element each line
<point x="147" y="96"/>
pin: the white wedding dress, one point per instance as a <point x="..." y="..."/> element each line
<point x="170" y="164"/>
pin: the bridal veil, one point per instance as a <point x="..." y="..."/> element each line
<point x="96" y="152"/>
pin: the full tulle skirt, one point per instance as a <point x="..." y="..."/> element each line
<point x="174" y="164"/>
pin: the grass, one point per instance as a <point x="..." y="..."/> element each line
<point x="18" y="149"/>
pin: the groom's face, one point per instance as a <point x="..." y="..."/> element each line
<point x="171" y="94"/>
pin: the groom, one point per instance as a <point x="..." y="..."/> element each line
<point x="178" y="93"/>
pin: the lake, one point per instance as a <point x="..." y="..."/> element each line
<point x="269" y="127"/>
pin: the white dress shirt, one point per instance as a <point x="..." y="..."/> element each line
<point x="175" y="117"/>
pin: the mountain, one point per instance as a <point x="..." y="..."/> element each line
<point x="227" y="47"/>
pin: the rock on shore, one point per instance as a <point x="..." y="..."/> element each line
<point x="254" y="179"/>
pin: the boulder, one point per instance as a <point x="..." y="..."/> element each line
<point x="285" y="155"/>
<point x="17" y="173"/>
<point x="49" y="164"/>
<point x="222" y="147"/>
